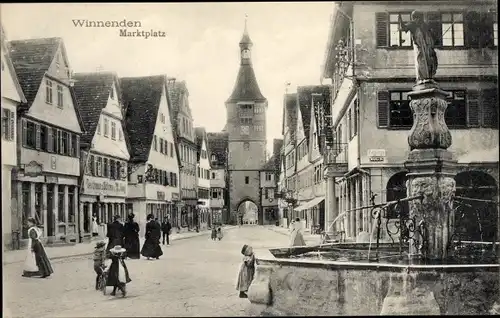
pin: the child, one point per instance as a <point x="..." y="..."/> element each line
<point x="117" y="271"/>
<point x="219" y="233"/>
<point x="214" y="233"/>
<point x="99" y="258"/>
<point x="247" y="271"/>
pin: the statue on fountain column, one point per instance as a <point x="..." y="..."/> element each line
<point x="426" y="62"/>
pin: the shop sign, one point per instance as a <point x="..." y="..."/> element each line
<point x="33" y="169"/>
<point x="106" y="187"/>
<point x="376" y="155"/>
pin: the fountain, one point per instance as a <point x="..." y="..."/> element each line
<point x="425" y="269"/>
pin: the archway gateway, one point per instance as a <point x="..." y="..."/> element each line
<point x="476" y="209"/>
<point x="248" y="212"/>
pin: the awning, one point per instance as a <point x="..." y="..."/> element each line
<point x="301" y="207"/>
<point x="312" y="203"/>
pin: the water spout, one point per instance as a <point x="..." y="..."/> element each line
<point x="335" y="220"/>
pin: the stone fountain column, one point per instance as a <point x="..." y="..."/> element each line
<point x="430" y="171"/>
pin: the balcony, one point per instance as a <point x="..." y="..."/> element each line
<point x="336" y="157"/>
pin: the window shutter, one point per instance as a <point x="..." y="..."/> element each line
<point x="12" y="127"/>
<point x="472" y="30"/>
<point x="490" y="108"/>
<point x="382" y="28"/>
<point x="473" y="110"/>
<point x="25" y="132"/>
<point x="435" y="27"/>
<point x="383" y="109"/>
<point x="37" y="136"/>
<point x="49" y="139"/>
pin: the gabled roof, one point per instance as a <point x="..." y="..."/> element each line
<point x="217" y="145"/>
<point x="277" y="145"/>
<point x="31" y="59"/>
<point x="10" y="66"/>
<point x="291" y="113"/>
<point x="176" y="90"/>
<point x="142" y="96"/>
<point x="92" y="92"/>
<point x="305" y="99"/>
<point x="200" y="135"/>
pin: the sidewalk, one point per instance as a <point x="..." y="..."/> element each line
<point x="82" y="249"/>
<point x="311" y="239"/>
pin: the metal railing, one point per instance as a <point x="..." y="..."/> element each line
<point x="337" y="153"/>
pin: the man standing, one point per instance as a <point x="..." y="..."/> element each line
<point x="165" y="228"/>
<point x="114" y="233"/>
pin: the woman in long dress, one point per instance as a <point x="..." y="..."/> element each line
<point x="151" y="247"/>
<point x="95" y="227"/>
<point x="247" y="271"/>
<point x="131" y="234"/>
<point x="296" y="237"/>
<point x="37" y="263"/>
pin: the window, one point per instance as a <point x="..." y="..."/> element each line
<point x="456" y="112"/>
<point x="269" y="176"/>
<point x="213" y="175"/>
<point x="48" y="91"/>
<point x="246" y="145"/>
<point x="44" y="138"/>
<point x="204" y="154"/>
<point x="495" y="33"/>
<point x="60" y="100"/>
<point x="71" y="205"/>
<point x="65" y="140"/>
<point x="172" y="149"/>
<point x="246" y="121"/>
<point x="349" y="123"/>
<point x="55" y="140"/>
<point x="452" y="29"/>
<point x="105" y="168"/>
<point x="61" y="214"/>
<point x="8" y="124"/>
<point x="258" y="128"/>
<point x="155" y="143"/>
<point x="113" y="130"/>
<point x="247" y="180"/>
<point x="99" y="127"/>
<point x="397" y="37"/>
<point x="112" y="93"/>
<point x="161" y="145"/>
<point x="245" y="130"/>
<point x="399" y="110"/>
<point x="30" y="134"/>
<point x="99" y="166"/>
<point x="120" y="134"/>
<point x="106" y="127"/>
<point x="75" y="144"/>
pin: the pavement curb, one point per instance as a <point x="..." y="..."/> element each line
<point x="90" y="253"/>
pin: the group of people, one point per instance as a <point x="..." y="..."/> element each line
<point x="216" y="233"/>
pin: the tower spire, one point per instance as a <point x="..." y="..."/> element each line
<point x="245" y="39"/>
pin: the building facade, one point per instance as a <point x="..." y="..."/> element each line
<point x="185" y="138"/>
<point x="12" y="96"/>
<point x="49" y="127"/>
<point x="202" y="213"/>
<point x="217" y="152"/>
<point x="370" y="106"/>
<point x="268" y="186"/>
<point x="246" y="127"/>
<point x="104" y="151"/>
<point x="153" y="177"/>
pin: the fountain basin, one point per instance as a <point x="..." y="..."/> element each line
<point x="285" y="284"/>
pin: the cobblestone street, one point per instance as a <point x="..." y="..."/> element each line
<point x="194" y="277"/>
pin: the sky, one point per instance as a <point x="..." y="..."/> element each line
<point x="200" y="46"/>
